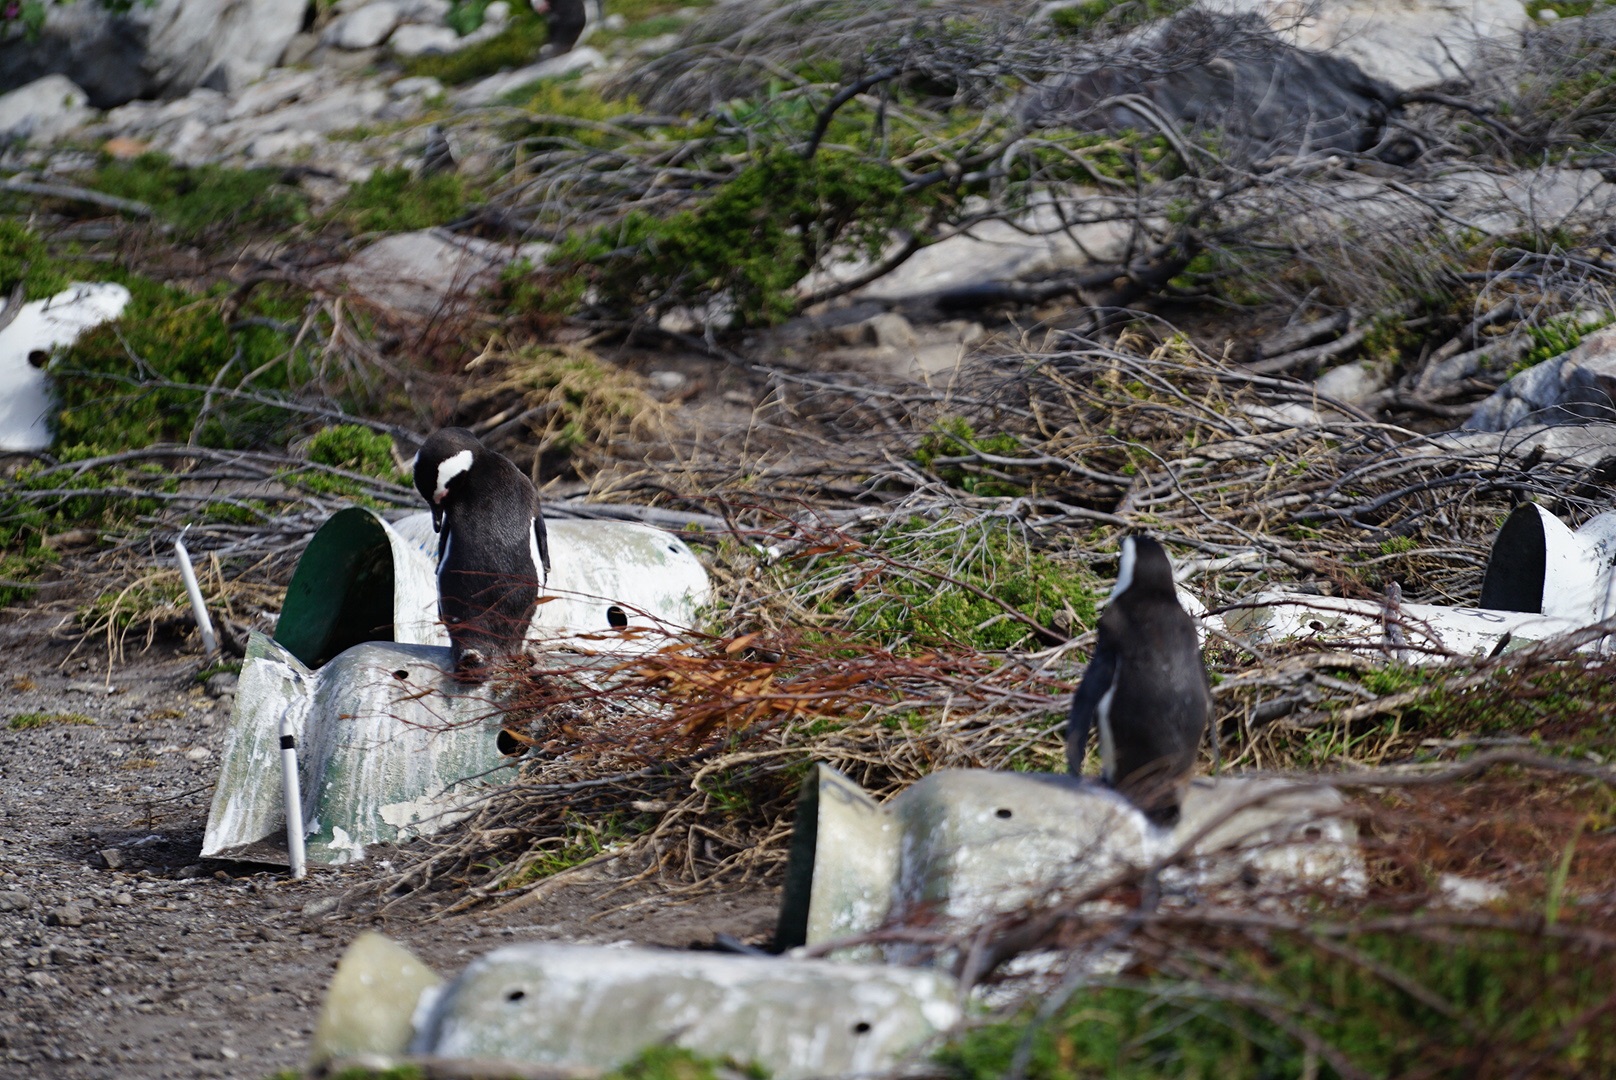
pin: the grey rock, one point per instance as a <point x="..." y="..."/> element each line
<point x="1573" y="388"/>
<point x="364" y="27"/>
<point x="232" y="75"/>
<point x="320" y="906"/>
<point x="486" y="90"/>
<point x="418" y="273"/>
<point x="415" y="40"/>
<point x="111" y="858"/>
<point x="42" y="980"/>
<point x="221" y="684"/>
<point x="162" y="50"/>
<point x="422" y="86"/>
<point x="425" y="11"/>
<point x="66" y="915"/>
<point x="43" y="110"/>
<point x="15" y="901"/>
<point x="666" y="382"/>
<point x="190" y="873"/>
<point x="1205" y="70"/>
<point x="1354" y="382"/>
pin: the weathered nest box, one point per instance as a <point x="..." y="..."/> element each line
<point x="593" y="1007"/>
<point x="962" y="845"/>
<point x="1542" y="580"/>
<point x="391" y="745"/>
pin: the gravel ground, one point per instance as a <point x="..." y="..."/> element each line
<point x="124" y="954"/>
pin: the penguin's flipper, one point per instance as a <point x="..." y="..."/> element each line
<point x="543" y="540"/>
<point x="1097" y="680"/>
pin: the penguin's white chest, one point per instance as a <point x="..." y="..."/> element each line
<point x="1108" y="745"/>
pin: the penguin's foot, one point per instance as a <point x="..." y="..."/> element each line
<point x="471" y="666"/>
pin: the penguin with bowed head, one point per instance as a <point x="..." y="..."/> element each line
<point x="1146" y="689"/>
<point x="493" y="555"/>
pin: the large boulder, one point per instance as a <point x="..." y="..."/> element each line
<point x="159" y="51"/>
<point x="43" y="110"/>
<point x="1406" y="43"/>
<point x="1573" y="388"/>
<point x="1202" y="70"/>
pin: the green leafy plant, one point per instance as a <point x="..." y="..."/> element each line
<point x="751" y="241"/>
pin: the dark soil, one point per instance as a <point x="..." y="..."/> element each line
<point x="163" y="965"/>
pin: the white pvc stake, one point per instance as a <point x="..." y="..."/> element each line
<point x="294" y="798"/>
<point x="210" y="644"/>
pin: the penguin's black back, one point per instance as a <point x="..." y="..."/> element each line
<point x="1149" y="677"/>
<point x="488" y="577"/>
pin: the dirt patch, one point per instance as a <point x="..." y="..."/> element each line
<point x="167" y="966"/>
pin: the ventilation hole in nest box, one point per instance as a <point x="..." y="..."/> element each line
<point x="514" y="996"/>
<point x="1312" y="832"/>
<point x="1004" y="812"/>
<point x="38" y="358"/>
<point x="861" y="1028"/>
<point x="674" y="548"/>
<point x="401" y="673"/>
<point x="617" y="617"/>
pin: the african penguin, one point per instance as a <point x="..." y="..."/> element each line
<point x="493" y="555"/>
<point x="570" y="22"/>
<point x="1145" y="689"/>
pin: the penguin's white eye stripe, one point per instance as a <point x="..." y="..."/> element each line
<point x="1125" y="571"/>
<point x="451" y="467"/>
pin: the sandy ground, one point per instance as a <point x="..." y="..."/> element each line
<point x="162" y="965"/>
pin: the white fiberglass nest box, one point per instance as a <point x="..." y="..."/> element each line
<point x="391" y="745"/>
<point x="27" y="339"/>
<point x="613" y="586"/>
<point x="1542" y="580"/>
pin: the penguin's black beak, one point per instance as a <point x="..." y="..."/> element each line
<point x="437" y="518"/>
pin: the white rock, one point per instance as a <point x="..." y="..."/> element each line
<point x="420" y="273"/>
<point x="282" y="144"/>
<point x="233" y="75"/>
<point x="497" y="14"/>
<point x="614" y="22"/>
<point x="272" y="93"/>
<point x="190" y="38"/>
<point x="44" y="325"/>
<point x="1571" y="388"/>
<point x="428" y="12"/>
<point x="1407" y="43"/>
<point x="486" y="90"/>
<point x="1463" y="892"/>
<point x="365" y="27"/>
<point x="421" y="40"/>
<point x="1354" y="382"/>
<point x="424" y="86"/>
<point x="44" y="110"/>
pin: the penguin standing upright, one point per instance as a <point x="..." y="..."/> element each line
<point x="1145" y="689"/>
<point x="493" y="554"/>
<point x="570" y="22"/>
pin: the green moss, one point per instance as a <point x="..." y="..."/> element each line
<point x="207" y="202"/>
<point x="397" y="200"/>
<point x="356" y="449"/>
<point x="1524" y="1006"/>
<point x="750" y="242"/>
<point x="1114" y="14"/>
<point x="24" y="721"/>
<point x="25" y="259"/>
<point x="922" y="585"/>
<point x="677" y="1063"/>
<point x="1556" y="337"/>
<point x="955" y="437"/>
<point x="514" y="47"/>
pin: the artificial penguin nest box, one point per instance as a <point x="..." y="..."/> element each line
<point x="613" y="585"/>
<point x="961" y="845"/>
<point x="391" y="745"/>
<point x="1542" y="580"/>
<point x="593" y="1007"/>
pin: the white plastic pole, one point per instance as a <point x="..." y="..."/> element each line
<point x="210" y="644"/>
<point x="294" y="798"/>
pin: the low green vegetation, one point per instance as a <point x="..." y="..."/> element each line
<point x="28" y="720"/>
<point x="205" y="202"/>
<point x="751" y="241"/>
<point x="1490" y="1004"/>
<point x="398" y="200"/>
<point x="955" y="437"/>
<point x="513" y="47"/>
<point x="1114" y="14"/>
<point x="352" y="448"/>
<point x="922" y="585"/>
